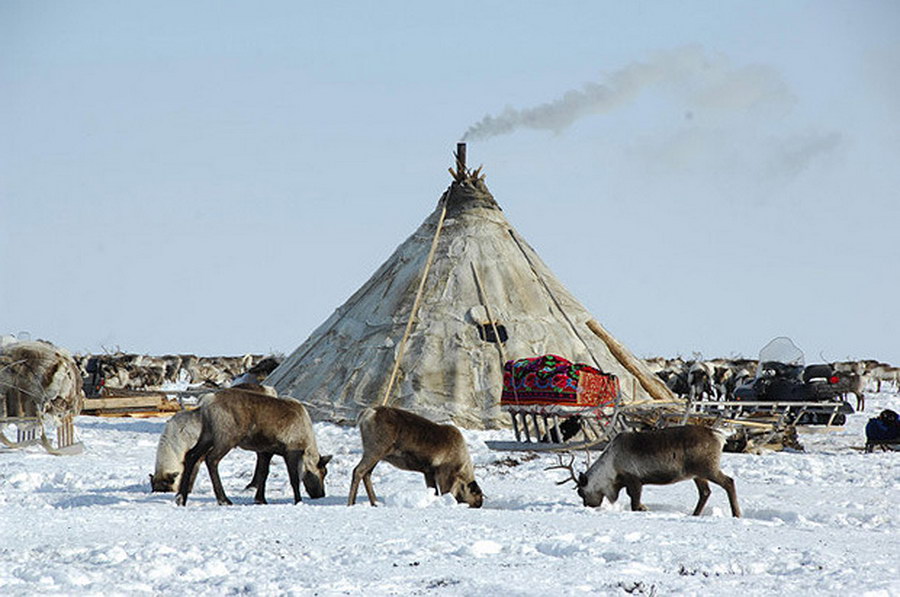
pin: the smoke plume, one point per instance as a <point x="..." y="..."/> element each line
<point x="699" y="79"/>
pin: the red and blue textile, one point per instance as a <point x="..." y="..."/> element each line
<point x="554" y="381"/>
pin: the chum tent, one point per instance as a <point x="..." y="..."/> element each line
<point x="483" y="280"/>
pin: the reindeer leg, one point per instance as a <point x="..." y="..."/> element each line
<point x="294" y="461"/>
<point x="430" y="482"/>
<point x="194" y="475"/>
<point x="703" y="489"/>
<point x="257" y="471"/>
<point x="189" y="471"/>
<point x="367" y="481"/>
<point x="263" y="459"/>
<point x="727" y="483"/>
<point x="212" y="466"/>
<point x="634" y="487"/>
<point x="354" y="488"/>
<point x="362" y="472"/>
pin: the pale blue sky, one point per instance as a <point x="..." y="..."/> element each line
<point x="218" y="177"/>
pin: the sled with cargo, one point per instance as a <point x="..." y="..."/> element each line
<point x="40" y="396"/>
<point x="557" y="405"/>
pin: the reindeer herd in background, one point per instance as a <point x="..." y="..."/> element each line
<point x="716" y="379"/>
<point x="713" y="379"/>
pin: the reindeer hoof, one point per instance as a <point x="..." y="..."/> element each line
<point x="225" y="502"/>
<point x="179" y="500"/>
<point x="642" y="508"/>
<point x="261" y="502"/>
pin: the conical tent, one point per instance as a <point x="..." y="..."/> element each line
<point x="484" y="280"/>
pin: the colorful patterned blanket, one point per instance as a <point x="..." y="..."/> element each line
<point x="551" y="380"/>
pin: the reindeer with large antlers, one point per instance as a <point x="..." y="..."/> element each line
<point x="660" y="457"/>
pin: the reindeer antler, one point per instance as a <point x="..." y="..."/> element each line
<point x="566" y="466"/>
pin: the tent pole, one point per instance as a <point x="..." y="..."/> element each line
<point x="415" y="307"/>
<point x="652" y="385"/>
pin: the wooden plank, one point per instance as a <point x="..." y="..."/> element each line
<point x="109" y="402"/>
<point x="767" y="404"/>
<point x="134" y="414"/>
<point x="512" y="446"/>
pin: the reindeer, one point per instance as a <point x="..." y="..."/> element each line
<point x="238" y="417"/>
<point x="179" y="435"/>
<point x="884" y="373"/>
<point x="659" y="457"/>
<point x="38" y="379"/>
<point x="701" y="377"/>
<point x="414" y="443"/>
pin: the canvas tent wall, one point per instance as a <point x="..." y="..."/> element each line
<point x="450" y="370"/>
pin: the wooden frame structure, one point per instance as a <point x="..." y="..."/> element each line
<point x="31" y="431"/>
<point x="782" y="413"/>
<point x="539" y="430"/>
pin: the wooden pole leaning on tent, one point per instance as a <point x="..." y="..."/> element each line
<point x="412" y="314"/>
<point x="655" y="387"/>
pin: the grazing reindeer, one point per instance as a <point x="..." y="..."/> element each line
<point x="660" y="457"/>
<point x="413" y="443"/>
<point x="179" y="435"/>
<point x="236" y="417"/>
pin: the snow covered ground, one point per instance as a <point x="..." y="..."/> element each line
<point x="825" y="521"/>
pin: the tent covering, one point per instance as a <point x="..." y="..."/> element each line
<point x="451" y="367"/>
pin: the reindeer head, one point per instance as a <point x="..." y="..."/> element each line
<point x="314" y="476"/>
<point x="460" y="483"/>
<point x="590" y="489"/>
<point x="164" y="482"/>
<point x="600" y="481"/>
<point x="470" y="493"/>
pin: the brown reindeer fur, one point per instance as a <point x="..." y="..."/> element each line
<point x="267" y="425"/>
<point x="39" y="379"/>
<point x="414" y="443"/>
<point x="658" y="457"/>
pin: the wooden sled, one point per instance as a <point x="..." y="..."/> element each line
<point x="30" y="431"/>
<point x="538" y="431"/>
<point x="783" y="413"/>
<point x="556" y="405"/>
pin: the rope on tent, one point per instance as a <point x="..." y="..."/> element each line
<point x="415" y="307"/>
